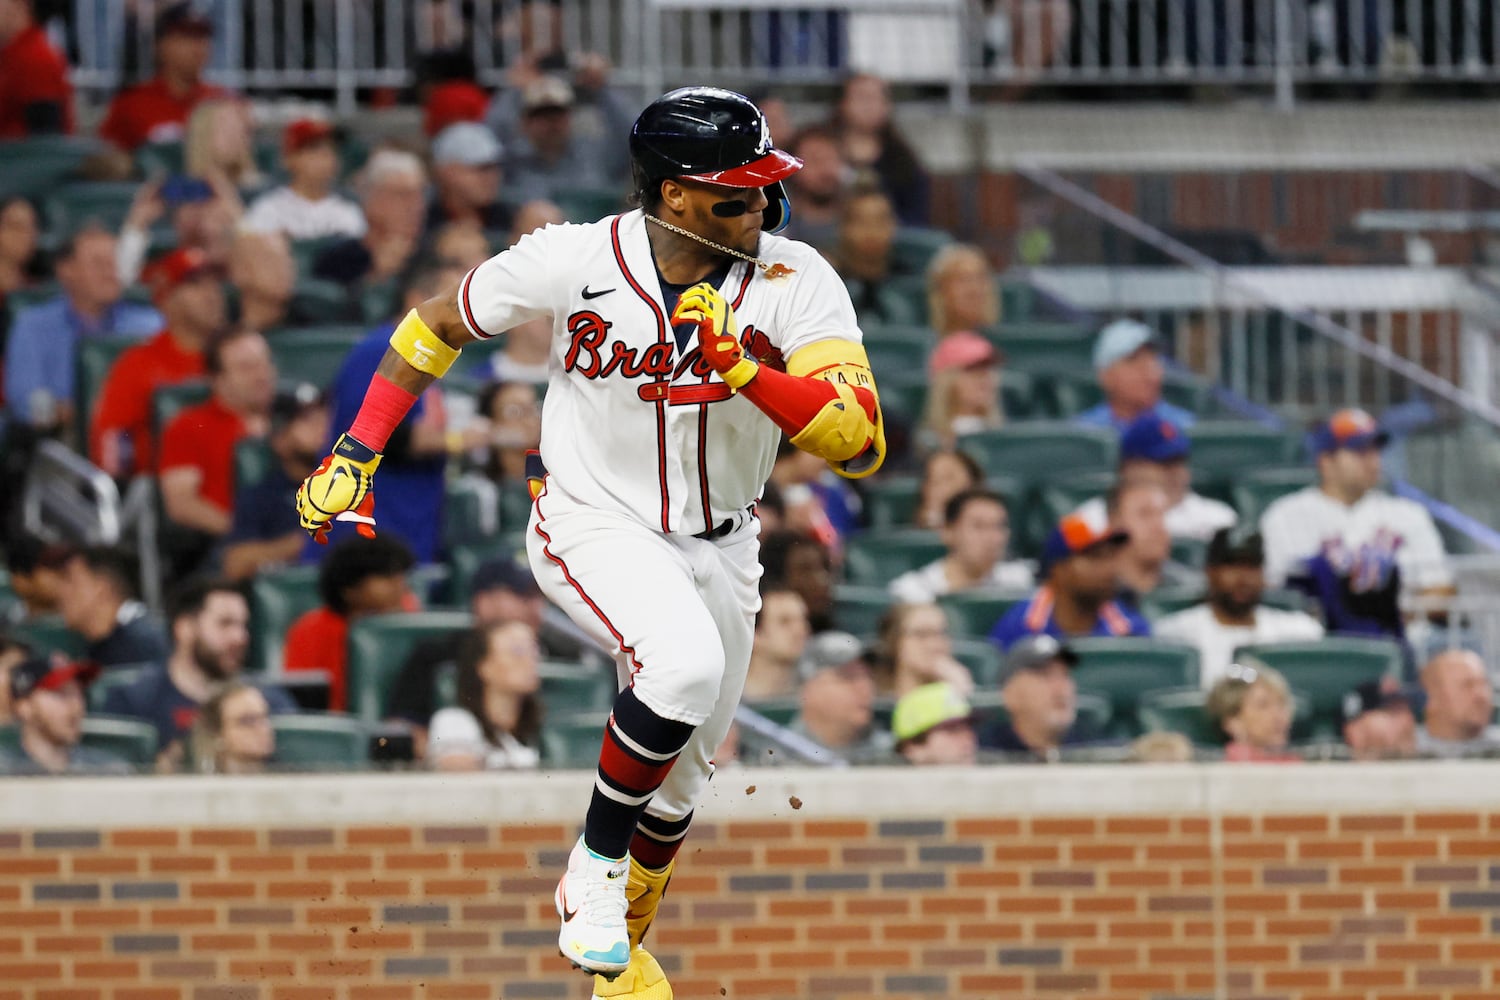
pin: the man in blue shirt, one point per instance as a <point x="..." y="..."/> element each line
<point x="1080" y="567"/>
<point x="1127" y="363"/>
<point x="40" y="353"/>
<point x="411" y="474"/>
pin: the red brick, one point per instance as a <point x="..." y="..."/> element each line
<point x="987" y="878"/>
<point x="1380" y="823"/>
<point x="1475" y="951"/>
<point x="1474" y="847"/>
<point x="1351" y="875"/>
<point x="310" y="890"/>
<point x="1387" y="900"/>
<point x="846" y="830"/>
<point x="212" y="943"/>
<point x="223" y="889"/>
<point x="989" y="983"/>
<point x="223" y="838"/>
<point x="1096" y="956"/>
<point x="1298" y="978"/>
<point x="1145" y="982"/>
<point x="262" y="969"/>
<point x="801" y="960"/>
<point x="406" y="861"/>
<point x="1137" y="826"/>
<point x="30" y="866"/>
<point x="33" y="919"/>
<point x="378" y="940"/>
<point x="766" y="934"/>
<point x="487" y="860"/>
<point x="378" y="836"/>
<point x="459" y="991"/>
<point x="1090" y="851"/>
<point x="1044" y="827"/>
<point x="1420" y="848"/>
<point x="1408" y="951"/>
<point x="447" y="888"/>
<point x="744" y="831"/>
<point x="118" y="970"/>
<point x="1451" y="924"/>
<point x="1180" y="956"/>
<point x="107" y="916"/>
<point x="1372" y="976"/>
<point x="1299" y="927"/>
<point x="281" y="992"/>
<point x="987" y="827"/>
<point x="341" y="915"/>
<point x="169" y="864"/>
<point x="1447" y="822"/>
<point x="104" y="864"/>
<point x="1004" y="853"/>
<point x="147" y="993"/>
<point x="991" y="931"/>
<point x="726" y="961"/>
<point x="798" y="856"/>
<point x="1105" y="904"/>
<point x="764" y="987"/>
<point x="1313" y="849"/>
<point x="824" y="907"/>
<point x="1294" y="824"/>
<point x="34" y="970"/>
<point x="182" y="916"/>
<point x="340" y="968"/>
<point x="1143" y="929"/>
<point x="343" y="862"/>
<point x="833" y="933"/>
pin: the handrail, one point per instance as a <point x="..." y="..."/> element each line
<point x="795" y="744"/>
<point x="1181" y="252"/>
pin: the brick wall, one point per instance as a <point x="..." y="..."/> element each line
<point x="261" y="899"/>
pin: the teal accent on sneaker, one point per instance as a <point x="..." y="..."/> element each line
<point x="618" y="955"/>
<point x="599" y="857"/>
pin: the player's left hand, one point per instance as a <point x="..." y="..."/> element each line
<point x="718" y="334"/>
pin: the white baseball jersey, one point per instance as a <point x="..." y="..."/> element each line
<point x="1302" y="524"/>
<point x="1197" y="626"/>
<point x="631" y="423"/>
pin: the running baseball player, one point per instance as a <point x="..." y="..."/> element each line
<point x="687" y="339"/>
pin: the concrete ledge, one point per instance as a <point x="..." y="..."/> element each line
<point x="560" y="797"/>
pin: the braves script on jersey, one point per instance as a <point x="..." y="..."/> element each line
<point x="631" y="422"/>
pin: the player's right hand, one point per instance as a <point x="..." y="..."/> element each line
<point x="342" y="484"/>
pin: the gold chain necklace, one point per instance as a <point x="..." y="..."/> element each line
<point x="769" y="270"/>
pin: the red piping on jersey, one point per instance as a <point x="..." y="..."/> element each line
<point x="661" y="404"/>
<point x="474" y="327"/>
<point x="706" y="389"/>
<point x="541" y="519"/>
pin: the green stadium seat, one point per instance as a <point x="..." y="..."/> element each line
<point x="1256" y="489"/>
<point x="379" y="303"/>
<point x="1018" y="394"/>
<point x="465" y="559"/>
<point x="277" y="599"/>
<point x="1056" y="498"/>
<point x="1189" y="391"/>
<point x="898" y="349"/>
<point x="1063" y="395"/>
<point x="1094" y="712"/>
<point x="1286" y="599"/>
<point x="859" y="609"/>
<point x="570" y="688"/>
<point x="915" y="246"/>
<point x="305" y="252"/>
<point x="1046" y="347"/>
<point x="1184" y="710"/>
<point x="573" y="740"/>
<point x="163" y="158"/>
<point x="315" y="354"/>
<point x="253" y="461"/>
<point x="91" y="367"/>
<point x="590" y="204"/>
<point x="378" y="646"/>
<point x="1223" y="450"/>
<point x="322" y="302"/>
<point x="169" y="400"/>
<point x="891" y="502"/>
<point x="983" y="659"/>
<point x="890" y="305"/>
<point x="35" y="166"/>
<point x="1121" y="669"/>
<point x="119" y="676"/>
<point x="912" y="288"/>
<point x="1168" y="601"/>
<point x="131" y="740"/>
<point x="10" y="737"/>
<point x="779" y="710"/>
<point x="321" y="741"/>
<point x="1190" y="552"/>
<point x="875" y="558"/>
<point x="469" y="511"/>
<point x="903" y="393"/>
<point x="1041" y="451"/>
<point x="974" y="612"/>
<point x="1326" y="669"/>
<point x="49" y="634"/>
<point x="69" y="206"/>
<point x="1018" y="301"/>
<point x="515" y="507"/>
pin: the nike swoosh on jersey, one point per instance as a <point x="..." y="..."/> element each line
<point x="587" y="294"/>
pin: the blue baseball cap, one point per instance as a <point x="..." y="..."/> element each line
<point x="1120" y="339"/>
<point x="1154" y="439"/>
<point x="1354" y="429"/>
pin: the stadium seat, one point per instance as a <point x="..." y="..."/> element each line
<point x="170" y="400"/>
<point x="571" y="688"/>
<point x="1179" y="710"/>
<point x="315" y="354"/>
<point x="277" y="599"/>
<point x="515" y="507"/>
<point x="1063" y="395"/>
<point x="912" y="288"/>
<point x="1190" y="552"/>
<point x="895" y="349"/>
<point x="1170" y="600"/>
<point x="1286" y="599"/>
<point x="1189" y="391"/>
<point x="253" y="461"/>
<point x="69" y="206"/>
<point x="859" y="609"/>
<point x="465" y="559"/>
<point x="1121" y="669"/>
<point x="1018" y="301"/>
<point x="1326" y="669"/>
<point x="892" y="304"/>
<point x="163" y="158"/>
<point x="121" y="675"/>
<point x="10" y="737"/>
<point x="1094" y="712"/>
<point x="470" y="511"/>
<point x="380" y="302"/>
<point x="1256" y="489"/>
<point x="779" y="710"/>
<point x="322" y="741"/>
<point x="1046" y="347"/>
<point x="982" y="657"/>
<point x="875" y="558"/>
<point x="891" y="502"/>
<point x="1223" y="450"/>
<point x="132" y="740"/>
<point x="91" y="367"/>
<point x="903" y="393"/>
<point x="1040" y="451"/>
<point x="1055" y="498"/>
<point x="323" y="302"/>
<point x="378" y="645"/>
<point x="590" y="204"/>
<point x="573" y="740"/>
<point x="38" y="165"/>
<point x="304" y="252"/>
<point x="915" y="246"/>
<point x="973" y="613"/>
<point x="49" y="634"/>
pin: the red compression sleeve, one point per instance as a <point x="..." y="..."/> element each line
<point x="792" y="401"/>
<point x="386" y="403"/>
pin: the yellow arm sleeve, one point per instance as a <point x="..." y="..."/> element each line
<point x="844" y="364"/>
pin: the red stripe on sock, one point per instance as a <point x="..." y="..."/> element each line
<point x="635" y="777"/>
<point x="651" y="852"/>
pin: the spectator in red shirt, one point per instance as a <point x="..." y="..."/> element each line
<point x="359" y="576"/>
<point x="188" y="292"/>
<point x="35" y="95"/>
<point x="197" y="447"/>
<point x="157" y="110"/>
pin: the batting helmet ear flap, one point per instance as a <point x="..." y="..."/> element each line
<point x="778" y="210"/>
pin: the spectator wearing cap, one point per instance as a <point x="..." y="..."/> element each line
<point x="46" y="693"/>
<point x="98" y="601"/>
<point x="497" y="722"/>
<point x="502" y="591"/>
<point x="35" y="95"/>
<point x="187" y="290"/>
<point x="1127" y="363"/>
<point x="158" y="109"/>
<point x="837" y="701"/>
<point x="42" y="348"/>
<point x="392" y="189"/>
<point x="964" y="395"/>
<point x="210" y="622"/>
<point x="263" y="530"/>
<point x="1458" y="718"/>
<point x="546" y="155"/>
<point x="1153" y="447"/>
<point x="781" y="635"/>
<point x="36" y="572"/>
<point x="1356" y="530"/>
<point x="412" y="471"/>
<point x="1233" y="616"/>
<point x="466" y="170"/>
<point x="1081" y="575"/>
<point x="359" y="577"/>
<point x="202" y="215"/>
<point x="1378" y="723"/>
<point x="197" y="447"/>
<point x="1041" y="701"/>
<point x="934" y="724"/>
<point x="976" y="533"/>
<point x="1252" y="704"/>
<point x="307" y="207"/>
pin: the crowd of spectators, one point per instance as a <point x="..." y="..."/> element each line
<point x="211" y="295"/>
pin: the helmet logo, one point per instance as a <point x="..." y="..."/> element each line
<point x="764" y="146"/>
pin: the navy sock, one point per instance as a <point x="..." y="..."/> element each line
<point x="639" y="749"/>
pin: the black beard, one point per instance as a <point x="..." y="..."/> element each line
<point x="1231" y="607"/>
<point x="211" y="663"/>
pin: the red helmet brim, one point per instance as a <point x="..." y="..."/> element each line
<point x="776" y="165"/>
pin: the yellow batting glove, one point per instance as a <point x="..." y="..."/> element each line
<point x="340" y="488"/>
<point x="718" y="335"/>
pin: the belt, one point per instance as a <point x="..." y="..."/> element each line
<point x="724" y="528"/>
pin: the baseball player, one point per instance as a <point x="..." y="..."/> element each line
<point x="687" y="338"/>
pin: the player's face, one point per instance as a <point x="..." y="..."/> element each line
<point x="56" y="714"/>
<point x="980" y="535"/>
<point x="1236" y="587"/>
<point x="248" y="736"/>
<point x="740" y="232"/>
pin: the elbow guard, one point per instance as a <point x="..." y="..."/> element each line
<point x="849" y="431"/>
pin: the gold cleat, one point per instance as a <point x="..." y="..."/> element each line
<point x="641" y="980"/>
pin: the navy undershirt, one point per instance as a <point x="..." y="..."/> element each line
<point x="670" y="293"/>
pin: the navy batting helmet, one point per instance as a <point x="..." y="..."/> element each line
<point x="716" y="137"/>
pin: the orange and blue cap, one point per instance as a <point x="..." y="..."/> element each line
<point x="1353" y="429"/>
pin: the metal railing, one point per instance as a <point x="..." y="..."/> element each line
<point x="341" y="46"/>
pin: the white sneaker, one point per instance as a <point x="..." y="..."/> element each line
<point x="591" y="902"/>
